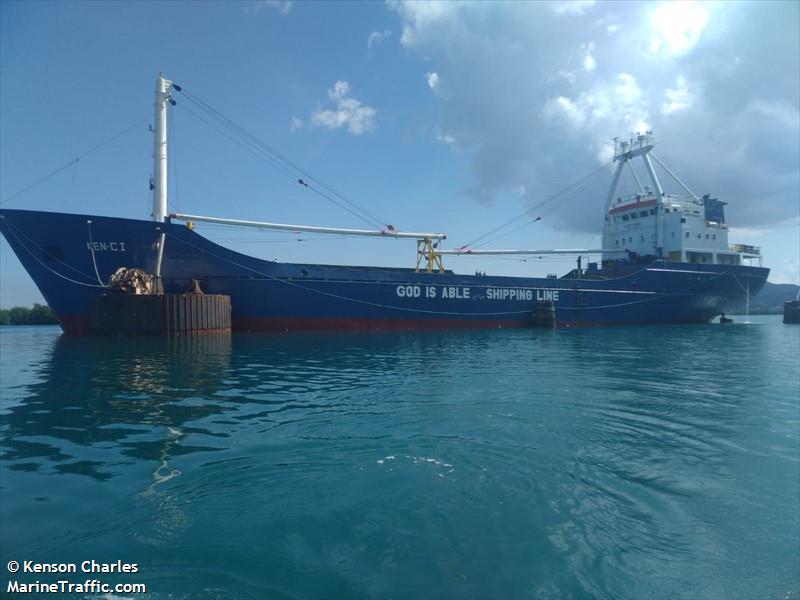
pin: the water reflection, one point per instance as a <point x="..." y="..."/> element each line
<point x="96" y="395"/>
<point x="663" y="424"/>
<point x="145" y="397"/>
<point x="474" y="464"/>
<point x="131" y="395"/>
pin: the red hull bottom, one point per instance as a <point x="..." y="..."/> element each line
<point x="287" y="325"/>
<point x="79" y="324"/>
<point x="324" y="324"/>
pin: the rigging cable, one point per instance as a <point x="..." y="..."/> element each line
<point x="277" y="155"/>
<point x="283" y="164"/>
<point x="173" y="148"/>
<point x="544" y="207"/>
<point x="94" y="260"/>
<point x="268" y="155"/>
<point x="258" y="153"/>
<point x="11" y="229"/>
<point x="549" y="210"/>
<point x="74" y="161"/>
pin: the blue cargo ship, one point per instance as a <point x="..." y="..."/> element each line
<point x="664" y="259"/>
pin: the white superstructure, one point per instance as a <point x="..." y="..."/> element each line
<point x="651" y="222"/>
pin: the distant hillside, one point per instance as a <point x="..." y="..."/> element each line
<point x="771" y="298"/>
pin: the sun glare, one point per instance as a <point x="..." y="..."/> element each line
<point x="677" y="27"/>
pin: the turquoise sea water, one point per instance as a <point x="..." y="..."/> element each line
<point x="642" y="462"/>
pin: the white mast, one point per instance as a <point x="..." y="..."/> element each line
<point x="675" y="177"/>
<point x="160" y="149"/>
<point x="653" y="177"/>
<point x="614" y="183"/>
<point x="639" y="145"/>
<point x="160" y="163"/>
<point x="635" y="176"/>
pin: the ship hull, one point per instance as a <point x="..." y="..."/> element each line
<point x="70" y="257"/>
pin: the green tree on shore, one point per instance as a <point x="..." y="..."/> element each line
<point x="19" y="315"/>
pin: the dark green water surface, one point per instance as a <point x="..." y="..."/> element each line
<point x="647" y="462"/>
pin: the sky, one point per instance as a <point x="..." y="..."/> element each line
<point x="432" y="116"/>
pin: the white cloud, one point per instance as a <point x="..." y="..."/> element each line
<point x="782" y="112"/>
<point x="678" y="98"/>
<point x="284" y="7"/>
<point x="641" y="126"/>
<point x="568" y="75"/>
<point x="677" y="26"/>
<point x="589" y="62"/>
<point x="443" y="138"/>
<point x="523" y="107"/>
<point x="627" y="89"/>
<point x="572" y="7"/>
<point x="606" y="105"/>
<point x="376" y="37"/>
<point x="432" y="78"/>
<point x="347" y="111"/>
<point x="295" y="124"/>
<point x="748" y="233"/>
<point x="420" y="16"/>
<point x="605" y="153"/>
<point x="564" y="107"/>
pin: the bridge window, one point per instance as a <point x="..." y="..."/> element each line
<point x="687" y="234"/>
<point x="673" y="235"/>
<point x="706" y="236"/>
<point x="634" y="216"/>
<point x="683" y="219"/>
<point x="643" y="213"/>
<point x="714" y="236"/>
<point x="625" y="217"/>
